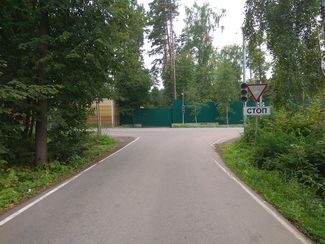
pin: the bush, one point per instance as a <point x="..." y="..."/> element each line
<point x="292" y="143"/>
<point x="68" y="134"/>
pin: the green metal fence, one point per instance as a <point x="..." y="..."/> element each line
<point x="147" y="117"/>
<point x="208" y="113"/>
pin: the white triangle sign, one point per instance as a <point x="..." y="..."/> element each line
<point x="257" y="90"/>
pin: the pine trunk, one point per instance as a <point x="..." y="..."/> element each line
<point x="42" y="106"/>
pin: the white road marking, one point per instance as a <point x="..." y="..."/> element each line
<point x="297" y="234"/>
<point x="217" y="141"/>
<point x="15" y="214"/>
<point x="111" y="155"/>
<point x="85" y="170"/>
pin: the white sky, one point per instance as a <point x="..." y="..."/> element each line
<point x="232" y="22"/>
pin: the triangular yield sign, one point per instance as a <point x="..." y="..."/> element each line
<point x="256" y="90"/>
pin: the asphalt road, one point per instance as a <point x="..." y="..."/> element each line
<point x="165" y="188"/>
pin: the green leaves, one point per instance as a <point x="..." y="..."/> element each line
<point x="289" y="31"/>
<point x="196" y="59"/>
<point x="73" y="55"/>
<point x="162" y="36"/>
<point x="292" y="143"/>
<point x="18" y="91"/>
<point x="90" y="50"/>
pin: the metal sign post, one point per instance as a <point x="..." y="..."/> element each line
<point x="183" y="109"/>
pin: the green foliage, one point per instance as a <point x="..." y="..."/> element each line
<point x="23" y="181"/>
<point x="102" y="140"/>
<point x="196" y="57"/>
<point x="162" y="36"/>
<point x="298" y="203"/>
<point x="228" y="75"/>
<point x="292" y="143"/>
<point x="67" y="132"/>
<point x="158" y="98"/>
<point x="289" y="30"/>
<point x="90" y="50"/>
<point x="132" y="81"/>
<point x="160" y="14"/>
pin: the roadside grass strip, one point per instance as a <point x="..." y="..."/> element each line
<point x="296" y="202"/>
<point x="41" y="197"/>
<point x="19" y="182"/>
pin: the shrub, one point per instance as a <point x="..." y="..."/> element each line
<point x="292" y="144"/>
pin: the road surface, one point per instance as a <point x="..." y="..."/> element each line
<point x="168" y="187"/>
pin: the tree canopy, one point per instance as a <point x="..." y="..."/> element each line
<point x="56" y="58"/>
<point x="290" y="31"/>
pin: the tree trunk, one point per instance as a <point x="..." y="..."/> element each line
<point x="42" y="106"/>
<point x="322" y="7"/>
<point x="41" y="133"/>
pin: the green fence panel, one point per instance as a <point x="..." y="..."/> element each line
<point x="236" y="113"/>
<point x="148" y="117"/>
<point x="126" y="119"/>
<point x="207" y="114"/>
<point x="177" y="111"/>
<point x="166" y="116"/>
<point x="154" y="116"/>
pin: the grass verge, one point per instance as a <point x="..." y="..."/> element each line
<point x="297" y="203"/>
<point x="18" y="183"/>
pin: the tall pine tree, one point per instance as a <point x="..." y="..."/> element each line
<point x="162" y="36"/>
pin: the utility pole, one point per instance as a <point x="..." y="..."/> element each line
<point x="99" y="119"/>
<point x="244" y="70"/>
<point x="183" y="109"/>
<point x="173" y="56"/>
<point x="244" y="59"/>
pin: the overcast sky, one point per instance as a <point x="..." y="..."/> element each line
<point x="232" y="22"/>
